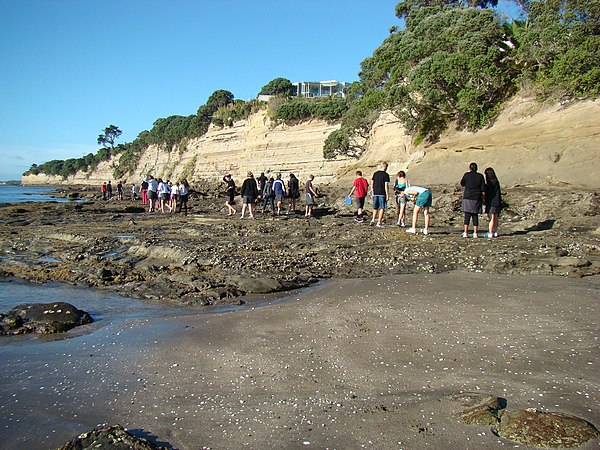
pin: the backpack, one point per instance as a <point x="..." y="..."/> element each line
<point x="268" y="192"/>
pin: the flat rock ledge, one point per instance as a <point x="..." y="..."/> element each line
<point x="111" y="437"/>
<point x="42" y="318"/>
<point x="526" y="426"/>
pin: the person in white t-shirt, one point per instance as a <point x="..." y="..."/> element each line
<point x="422" y="198"/>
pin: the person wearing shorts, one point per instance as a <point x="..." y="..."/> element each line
<point x="422" y="197"/>
<point x="249" y="195"/>
<point x="152" y="193"/>
<point x="381" y="192"/>
<point x="360" y="188"/>
<point x="279" y="191"/>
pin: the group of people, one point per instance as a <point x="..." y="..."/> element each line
<point x="156" y="193"/>
<point x="107" y="191"/>
<point x="273" y="192"/>
<point x="478" y="191"/>
<point x="403" y="190"/>
<point x="481" y="191"/>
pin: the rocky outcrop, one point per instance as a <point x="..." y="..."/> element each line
<point x="113" y="437"/>
<point x="528" y="426"/>
<point x="42" y="318"/>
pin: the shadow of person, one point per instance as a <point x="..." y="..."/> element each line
<point x="152" y="438"/>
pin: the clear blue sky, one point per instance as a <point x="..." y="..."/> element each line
<point x="70" y="68"/>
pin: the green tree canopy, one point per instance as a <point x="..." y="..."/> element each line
<point x="559" y="47"/>
<point x="219" y="99"/>
<point x="278" y="86"/>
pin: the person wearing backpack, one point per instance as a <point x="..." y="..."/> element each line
<point x="268" y="195"/>
<point x="279" y="191"/>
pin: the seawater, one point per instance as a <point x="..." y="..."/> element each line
<point x="105" y="307"/>
<point x="19" y="194"/>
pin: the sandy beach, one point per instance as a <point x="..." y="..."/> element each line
<point x="367" y="363"/>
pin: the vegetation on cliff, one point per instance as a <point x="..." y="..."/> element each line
<point x="451" y="62"/>
<point x="456" y="62"/>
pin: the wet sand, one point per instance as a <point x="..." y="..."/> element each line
<point x="347" y="364"/>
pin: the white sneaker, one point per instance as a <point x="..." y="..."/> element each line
<point x="495" y="234"/>
<point x="465" y="234"/>
<point x="475" y="236"/>
<point x="490" y="235"/>
<point x="411" y="230"/>
<point x="379" y="225"/>
<point x="425" y="231"/>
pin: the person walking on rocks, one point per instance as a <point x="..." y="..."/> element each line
<point x="401" y="184"/>
<point x="249" y="195"/>
<point x="360" y="188"/>
<point x="474" y="185"/>
<point x="144" y="192"/>
<point x="103" y="190"/>
<point x="184" y="193"/>
<point x="133" y="192"/>
<point x="230" y="192"/>
<point x="262" y="181"/>
<point x="493" y="201"/>
<point x="381" y="193"/>
<point x="279" y="191"/>
<point x="174" y="196"/>
<point x="109" y="191"/>
<point x="120" y="191"/>
<point x="152" y="193"/>
<point x="293" y="193"/>
<point x="268" y="196"/>
<point x="311" y="194"/>
<point x="164" y="193"/>
<point x="422" y="198"/>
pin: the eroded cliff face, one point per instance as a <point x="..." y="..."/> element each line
<point x="526" y="144"/>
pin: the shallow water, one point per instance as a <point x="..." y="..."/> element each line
<point x="55" y="387"/>
<point x="18" y="194"/>
<point x="106" y="308"/>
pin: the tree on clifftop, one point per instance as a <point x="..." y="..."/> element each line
<point x="278" y="86"/>
<point x="219" y="99"/>
<point x="110" y="135"/>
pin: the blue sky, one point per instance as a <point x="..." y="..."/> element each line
<point x="70" y="68"/>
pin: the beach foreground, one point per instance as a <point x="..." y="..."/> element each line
<point x="347" y="364"/>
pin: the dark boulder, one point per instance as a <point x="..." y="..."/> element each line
<point x="42" y="318"/>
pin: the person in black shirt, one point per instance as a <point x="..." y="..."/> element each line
<point x="381" y="192"/>
<point x="249" y="195"/>
<point x="493" y="201"/>
<point x="293" y="193"/>
<point x="230" y="191"/>
<point x="474" y="185"/>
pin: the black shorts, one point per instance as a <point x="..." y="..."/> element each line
<point x="360" y="202"/>
<point x="152" y="195"/>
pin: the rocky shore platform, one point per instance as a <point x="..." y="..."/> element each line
<point x="206" y="257"/>
<point x="417" y="342"/>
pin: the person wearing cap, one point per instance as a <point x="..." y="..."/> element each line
<point x="249" y="195"/>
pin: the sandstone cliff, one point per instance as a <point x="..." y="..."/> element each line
<point x="528" y="143"/>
